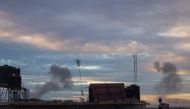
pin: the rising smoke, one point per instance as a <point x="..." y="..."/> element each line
<point x="171" y="81"/>
<point x="61" y="78"/>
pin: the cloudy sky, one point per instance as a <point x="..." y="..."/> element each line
<point x="104" y="34"/>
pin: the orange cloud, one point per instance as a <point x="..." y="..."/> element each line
<point x="184" y="46"/>
<point x="39" y="41"/>
<point x="184" y="71"/>
<point x="89" y="80"/>
<point x="181" y="99"/>
<point x="43" y="42"/>
<point x="131" y="47"/>
<point x="152" y="99"/>
<point x="179" y="31"/>
<point x="171" y="57"/>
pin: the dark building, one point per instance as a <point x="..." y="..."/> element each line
<point x="132" y="91"/>
<point x="113" y="92"/>
<point x="10" y="83"/>
<point x="106" y="92"/>
<point x="10" y="77"/>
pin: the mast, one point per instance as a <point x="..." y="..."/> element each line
<point x="78" y="62"/>
<point x="135" y="67"/>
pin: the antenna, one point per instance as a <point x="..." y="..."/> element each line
<point x="135" y="67"/>
<point x="78" y="62"/>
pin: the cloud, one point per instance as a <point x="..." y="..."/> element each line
<point x="177" y="32"/>
<point x="5" y="21"/>
<point x="61" y="78"/>
<point x="80" y="27"/>
<point x="184" y="46"/>
<point x="171" y="81"/>
<point x="43" y="42"/>
<point x="84" y="27"/>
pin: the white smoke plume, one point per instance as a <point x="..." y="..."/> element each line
<point x="171" y="81"/>
<point x="61" y="78"/>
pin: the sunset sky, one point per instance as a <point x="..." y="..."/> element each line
<point x="103" y="34"/>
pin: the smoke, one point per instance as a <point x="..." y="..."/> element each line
<point x="171" y="81"/>
<point x="60" y="79"/>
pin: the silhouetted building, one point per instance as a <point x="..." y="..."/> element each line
<point x="132" y="91"/>
<point x="10" y="77"/>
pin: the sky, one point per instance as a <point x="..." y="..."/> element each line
<point x="103" y="34"/>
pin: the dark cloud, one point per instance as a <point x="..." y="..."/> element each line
<point x="171" y="81"/>
<point x="82" y="21"/>
<point x="61" y="79"/>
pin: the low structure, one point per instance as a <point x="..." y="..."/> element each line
<point x="101" y="96"/>
<point x="162" y="105"/>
